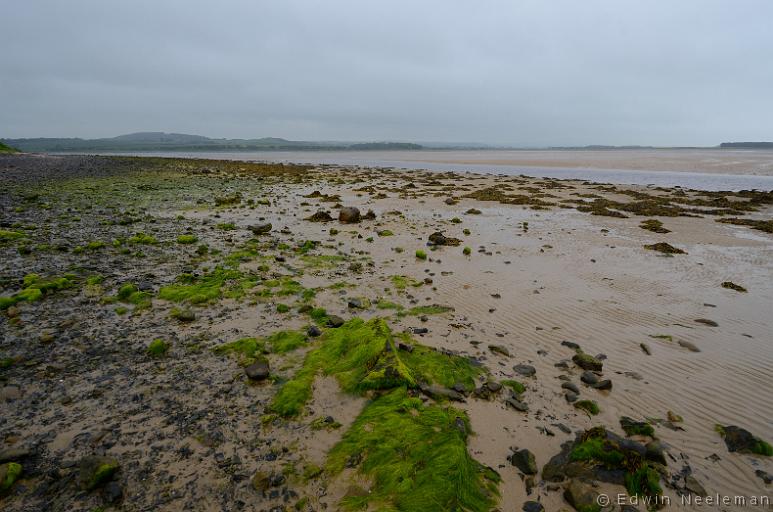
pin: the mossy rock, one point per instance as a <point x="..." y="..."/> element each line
<point x="94" y="471"/>
<point x="587" y="362"/>
<point x="9" y="473"/>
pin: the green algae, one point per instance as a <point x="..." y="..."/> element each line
<point x="142" y="239"/>
<point x="517" y="387"/>
<point x="157" y="348"/>
<point x="282" y="342"/>
<point x="12" y="472"/>
<point x="247" y="348"/>
<point x="187" y="239"/>
<point x="420" y="254"/>
<point x="654" y="225"/>
<point x="416" y="457"/>
<point x="209" y="287"/>
<point x="36" y="287"/>
<point x="589" y="406"/>
<point x="364" y="356"/>
<point x="402" y="282"/>
<point x="428" y="310"/>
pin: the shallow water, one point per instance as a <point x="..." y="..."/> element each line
<point x="694" y="169"/>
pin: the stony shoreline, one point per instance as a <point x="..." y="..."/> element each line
<point x="223" y="335"/>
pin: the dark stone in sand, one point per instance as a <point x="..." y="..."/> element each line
<point x="571" y="345"/>
<point x="94" y="471"/>
<point x="437" y="238"/>
<point x="571" y="396"/>
<point x="516" y="404"/>
<point x="112" y="492"/>
<point x="405" y="346"/>
<point x="349" y="215"/>
<point x="706" y="321"/>
<point x="587" y="362"/>
<point x="656" y="452"/>
<point x="739" y="439"/>
<point x="603" y="385"/>
<point x="525" y="369"/>
<point x="420" y="330"/>
<point x="533" y="506"/>
<point x="258" y="370"/>
<point x="437" y="392"/>
<point x="335" y="321"/>
<point x="524" y="461"/>
<point x="694" y="486"/>
<point x="581" y="496"/>
<point x="371" y="215"/>
<point x="499" y="349"/>
<point x="589" y="378"/>
<point x="314" y="331"/>
<point x="260" y="229"/>
<point x="571" y="386"/>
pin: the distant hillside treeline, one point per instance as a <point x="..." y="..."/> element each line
<point x="747" y="145"/>
<point x="7" y="149"/>
<point x="158" y="141"/>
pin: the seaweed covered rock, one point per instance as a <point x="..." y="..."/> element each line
<point x="438" y="238"/>
<point x="598" y="454"/>
<point x="260" y="229"/>
<point x="524" y="460"/>
<point x="9" y="473"/>
<point x="582" y="496"/>
<point x="587" y="362"/>
<point x="320" y="216"/>
<point x="94" y="471"/>
<point x="740" y="440"/>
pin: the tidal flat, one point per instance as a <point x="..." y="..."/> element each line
<point x="191" y="334"/>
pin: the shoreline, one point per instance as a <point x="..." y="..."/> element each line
<point x="540" y="272"/>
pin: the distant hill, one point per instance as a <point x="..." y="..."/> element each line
<point x="747" y="145"/>
<point x="4" y="149"/>
<point x="160" y="141"/>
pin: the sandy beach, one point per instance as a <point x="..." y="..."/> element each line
<point x="528" y="274"/>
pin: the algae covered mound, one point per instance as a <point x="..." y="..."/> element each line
<point x="415" y="455"/>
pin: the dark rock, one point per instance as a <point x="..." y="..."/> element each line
<point x="656" y="452"/>
<point x="405" y="346"/>
<point x="437" y="392"/>
<point x="604" y="385"/>
<point x="349" y="215"/>
<point x="645" y="348"/>
<point x="499" y="349"/>
<point x="587" y="362"/>
<point x="581" y="496"/>
<point x="314" y="331"/>
<point x="335" y="321"/>
<point x="706" y="321"/>
<point x="571" y="396"/>
<point x="766" y="477"/>
<point x="516" y="404"/>
<point x="420" y="330"/>
<point x="589" y="378"/>
<point x="533" y="506"/>
<point x="473" y="211"/>
<point x="525" y="369"/>
<point x="688" y="345"/>
<point x="571" y="345"/>
<point x="260" y="229"/>
<point x="741" y="440"/>
<point x="94" y="471"/>
<point x="524" y="461"/>
<point x="437" y="238"/>
<point x="370" y="215"/>
<point x="258" y="370"/>
<point x="493" y="386"/>
<point x="570" y="386"/>
<point x="112" y="493"/>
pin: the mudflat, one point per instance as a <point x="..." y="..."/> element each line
<point x="187" y="334"/>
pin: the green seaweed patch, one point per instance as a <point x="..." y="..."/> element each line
<point x="416" y="457"/>
<point x="12" y="472"/>
<point x="403" y="282"/>
<point x="282" y="342"/>
<point x="364" y="356"/>
<point x="421" y="254"/>
<point x="226" y="226"/>
<point x="761" y="225"/>
<point x="385" y="304"/>
<point x="130" y="294"/>
<point x="245" y="348"/>
<point x="517" y="387"/>
<point x="7" y="236"/>
<point x="209" y="287"/>
<point x="187" y="239"/>
<point x="157" y="348"/>
<point x="319" y="261"/>
<point x="324" y="423"/>
<point x="666" y="337"/>
<point x="434" y="309"/>
<point x="589" y="406"/>
<point x="36" y="287"/>
<point x="142" y="239"/>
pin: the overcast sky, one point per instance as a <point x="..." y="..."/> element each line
<point x="665" y="72"/>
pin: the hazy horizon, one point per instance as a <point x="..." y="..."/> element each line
<point x="692" y="73"/>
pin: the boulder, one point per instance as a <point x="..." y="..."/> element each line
<point x="524" y="460"/>
<point x="259" y="370"/>
<point x="349" y="215"/>
<point x="260" y="229"/>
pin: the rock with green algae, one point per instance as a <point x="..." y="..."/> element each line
<point x="94" y="471"/>
<point x="9" y="473"/>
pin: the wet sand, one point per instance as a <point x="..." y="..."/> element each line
<point x="565" y="275"/>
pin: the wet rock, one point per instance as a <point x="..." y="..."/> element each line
<point x="9" y="473"/>
<point x="645" y="348"/>
<point x="94" y="471"/>
<point x="516" y="404"/>
<point x="260" y="229"/>
<point x="765" y="476"/>
<point x="656" y="452"/>
<point x="499" y="349"/>
<point x="525" y="369"/>
<point x="420" y="330"/>
<point x="741" y="440"/>
<point x="706" y="321"/>
<point x="438" y="238"/>
<point x="571" y="345"/>
<point x="533" y="506"/>
<point x="589" y="378"/>
<point x="314" y="331"/>
<point x="112" y="492"/>
<point x="581" y="496"/>
<point x="370" y="215"/>
<point x="689" y="346"/>
<point x="259" y="370"/>
<point x="571" y="396"/>
<point x="473" y="211"/>
<point x="335" y="321"/>
<point x="570" y="386"/>
<point x="405" y="346"/>
<point x="524" y="460"/>
<point x="587" y="362"/>
<point x="603" y="385"/>
<point x="437" y="392"/>
<point x="320" y="216"/>
<point x="349" y="215"/>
